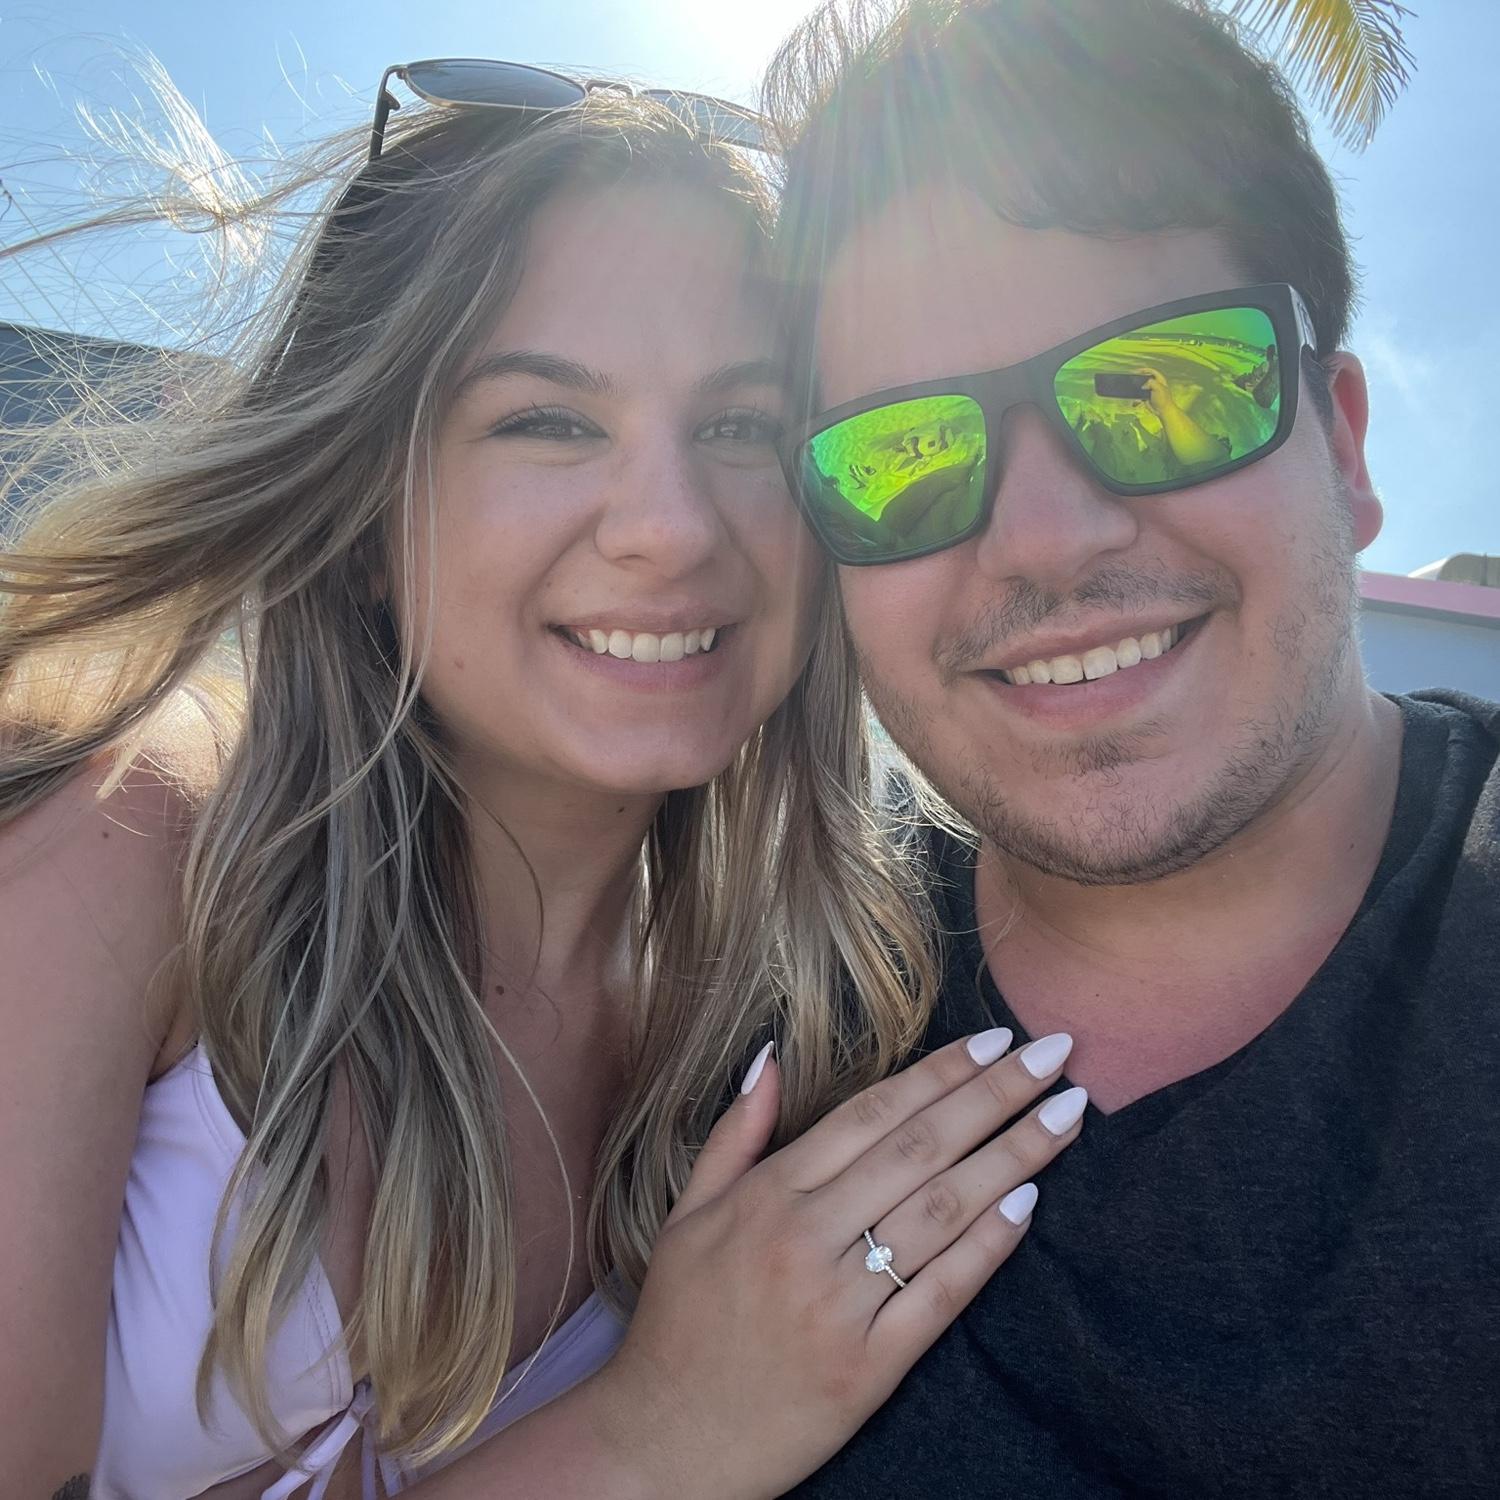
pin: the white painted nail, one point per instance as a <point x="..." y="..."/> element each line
<point x="986" y="1047"/>
<point x="1063" y="1111"/>
<point x="1017" y="1204"/>
<point x="1045" y="1056"/>
<point x="753" y="1072"/>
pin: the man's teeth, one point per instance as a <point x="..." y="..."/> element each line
<point x="644" y="645"/>
<point x="1099" y="661"/>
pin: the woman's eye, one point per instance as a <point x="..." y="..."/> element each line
<point x="747" y="426"/>
<point x="544" y="422"/>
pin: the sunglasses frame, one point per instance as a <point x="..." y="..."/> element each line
<point x="386" y="101"/>
<point x="1030" y="383"/>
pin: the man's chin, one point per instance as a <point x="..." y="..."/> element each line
<point x="1138" y="862"/>
<point x="1112" y="833"/>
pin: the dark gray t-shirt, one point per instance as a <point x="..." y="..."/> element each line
<point x="1279" y="1277"/>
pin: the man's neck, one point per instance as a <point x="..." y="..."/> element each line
<point x="1160" y="980"/>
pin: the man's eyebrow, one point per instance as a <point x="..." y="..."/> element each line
<point x="745" y="372"/>
<point x="551" y="367"/>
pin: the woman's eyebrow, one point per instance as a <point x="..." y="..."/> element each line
<point x="579" y="377"/>
<point x="551" y="367"/>
<point x="745" y="372"/>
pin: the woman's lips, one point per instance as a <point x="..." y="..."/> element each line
<point x="644" y="646"/>
<point x="662" y="674"/>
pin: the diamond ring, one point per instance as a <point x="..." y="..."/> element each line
<point x="879" y="1259"/>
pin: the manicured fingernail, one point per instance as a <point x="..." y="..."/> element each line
<point x="1063" y="1111"/>
<point x="1044" y="1057"/>
<point x="986" y="1047"/>
<point x="753" y="1072"/>
<point x="1017" y="1204"/>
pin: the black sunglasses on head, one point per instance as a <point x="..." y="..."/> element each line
<point x="1156" y="401"/>
<point x="486" y="84"/>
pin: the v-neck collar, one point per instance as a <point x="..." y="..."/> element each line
<point x="978" y="1004"/>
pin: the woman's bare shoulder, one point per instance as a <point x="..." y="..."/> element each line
<point x="89" y="924"/>
<point x="90" y="892"/>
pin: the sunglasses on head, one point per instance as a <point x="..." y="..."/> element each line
<point x="518" y="86"/>
<point x="1156" y="401"/>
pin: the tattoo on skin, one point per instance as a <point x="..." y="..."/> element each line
<point x="77" y="1488"/>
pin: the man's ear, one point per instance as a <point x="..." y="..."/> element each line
<point x="1346" y="442"/>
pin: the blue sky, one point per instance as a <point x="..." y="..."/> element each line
<point x="1421" y="203"/>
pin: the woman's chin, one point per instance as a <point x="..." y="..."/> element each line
<point x="648" y="776"/>
<point x="659" y="781"/>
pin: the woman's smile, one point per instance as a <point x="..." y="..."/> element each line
<point x="643" y="661"/>
<point x="643" y="645"/>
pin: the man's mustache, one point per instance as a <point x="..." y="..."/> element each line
<point x="1025" y="607"/>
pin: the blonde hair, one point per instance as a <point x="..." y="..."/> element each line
<point x="224" y="548"/>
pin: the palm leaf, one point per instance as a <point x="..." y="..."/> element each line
<point x="1348" y="55"/>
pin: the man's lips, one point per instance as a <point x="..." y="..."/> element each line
<point x="1084" y="655"/>
<point x="1091" y="703"/>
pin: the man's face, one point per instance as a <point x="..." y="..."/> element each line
<point x="1142" y="771"/>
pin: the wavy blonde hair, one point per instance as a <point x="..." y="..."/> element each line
<point x="330" y="905"/>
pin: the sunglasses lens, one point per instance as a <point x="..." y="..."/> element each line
<point x="459" y="80"/>
<point x="1179" y="400"/>
<point x="897" y="480"/>
<point x="716" y="118"/>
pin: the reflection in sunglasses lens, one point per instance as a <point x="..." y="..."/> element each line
<point x="897" y="479"/>
<point x="1175" y="400"/>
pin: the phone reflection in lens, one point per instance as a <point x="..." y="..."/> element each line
<point x="1175" y="399"/>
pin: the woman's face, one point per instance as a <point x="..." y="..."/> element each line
<point x="622" y="589"/>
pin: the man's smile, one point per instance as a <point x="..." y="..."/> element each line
<point x="1111" y="651"/>
<point x="1093" y="688"/>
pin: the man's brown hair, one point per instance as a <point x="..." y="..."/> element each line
<point x="1098" y="116"/>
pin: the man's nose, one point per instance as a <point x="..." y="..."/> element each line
<point x="1050" y="521"/>
<point x="659" y="511"/>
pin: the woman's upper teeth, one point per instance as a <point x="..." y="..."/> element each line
<point x="1098" y="661"/>
<point x="646" y="645"/>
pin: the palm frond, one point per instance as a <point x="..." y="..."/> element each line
<point x="1348" y="55"/>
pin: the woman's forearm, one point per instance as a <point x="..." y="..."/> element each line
<point x="578" y="1447"/>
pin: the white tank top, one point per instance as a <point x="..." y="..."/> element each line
<point x="153" y="1446"/>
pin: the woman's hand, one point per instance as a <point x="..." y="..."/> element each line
<point x="762" y="1341"/>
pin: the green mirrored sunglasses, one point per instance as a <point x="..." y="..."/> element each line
<point x="1157" y="401"/>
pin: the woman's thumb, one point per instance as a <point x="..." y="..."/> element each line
<point x="739" y="1137"/>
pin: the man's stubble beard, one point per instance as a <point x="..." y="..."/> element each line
<point x="1107" y="840"/>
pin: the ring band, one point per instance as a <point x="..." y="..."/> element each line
<point x="879" y="1259"/>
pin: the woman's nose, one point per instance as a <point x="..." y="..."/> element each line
<point x="659" y="511"/>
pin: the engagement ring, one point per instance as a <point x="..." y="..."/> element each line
<point x="879" y="1259"/>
